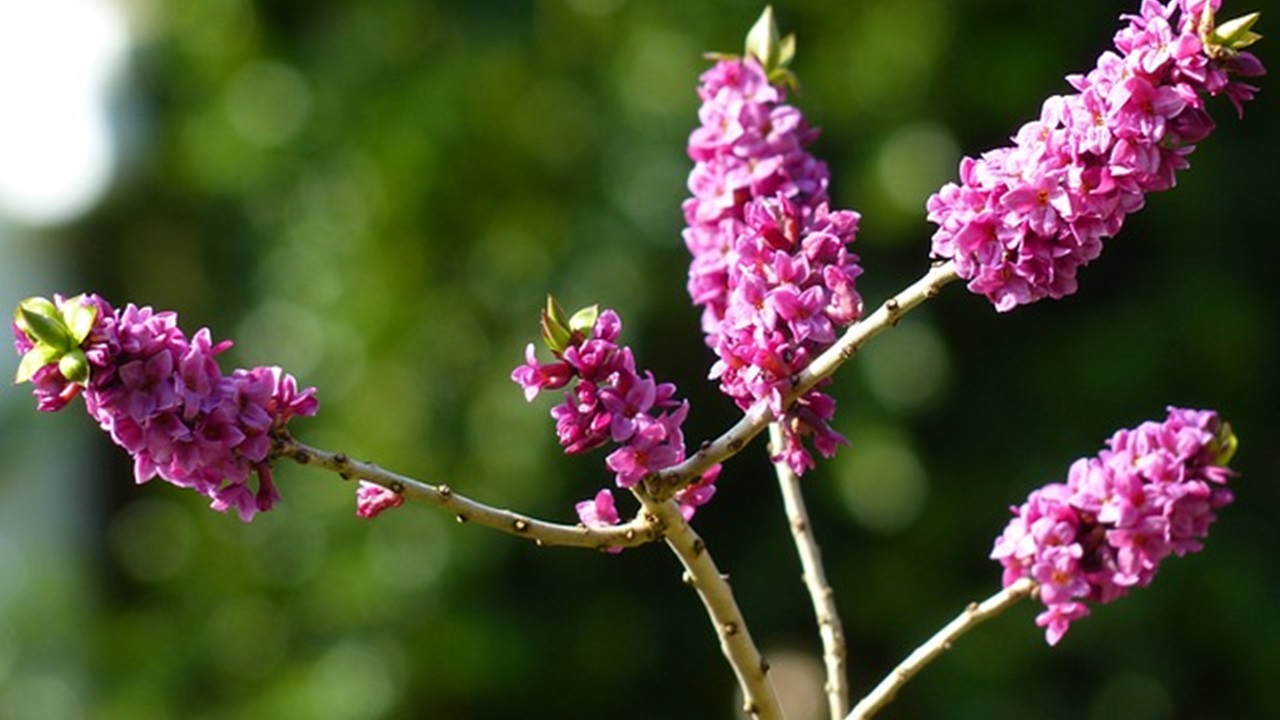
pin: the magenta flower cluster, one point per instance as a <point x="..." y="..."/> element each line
<point x="1150" y="494"/>
<point x="608" y="401"/>
<point x="1023" y="219"/>
<point x="771" y="267"/>
<point x="162" y="397"/>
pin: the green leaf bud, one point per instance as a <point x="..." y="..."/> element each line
<point x="43" y="324"/>
<point x="555" y="330"/>
<point x="34" y="359"/>
<point x="74" y="366"/>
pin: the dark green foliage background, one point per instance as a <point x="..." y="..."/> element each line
<point x="378" y="195"/>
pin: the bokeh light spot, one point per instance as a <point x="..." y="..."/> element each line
<point x="914" y="162"/>
<point x="352" y="681"/>
<point x="267" y="102"/>
<point x="58" y="59"/>
<point x="881" y="481"/>
<point x="152" y="538"/>
<point x="907" y="369"/>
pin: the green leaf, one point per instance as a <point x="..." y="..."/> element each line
<point x="584" y="320"/>
<point x="79" y="317"/>
<point x="74" y="366"/>
<point x="34" y="359"/>
<point x="44" y="329"/>
<point x="1237" y="34"/>
<point x="1227" y="443"/>
<point x="555" y="331"/>
<point x="763" y="40"/>
<point x="37" y="305"/>
<point x="774" y="52"/>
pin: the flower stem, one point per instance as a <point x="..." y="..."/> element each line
<point x="634" y="532"/>
<point x="972" y="616"/>
<point x="760" y="699"/>
<point x="814" y="576"/>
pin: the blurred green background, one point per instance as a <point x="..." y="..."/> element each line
<point x="377" y="195"/>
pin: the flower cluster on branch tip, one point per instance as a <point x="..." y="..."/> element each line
<point x="1150" y="494"/>
<point x="1023" y="219"/>
<point x="160" y="395"/>
<point x="771" y="266"/>
<point x="608" y="401"/>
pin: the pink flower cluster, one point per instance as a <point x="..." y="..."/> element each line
<point x="1023" y="219"/>
<point x="1151" y="493"/>
<point x="750" y="144"/>
<point x="163" y="398"/>
<point x="771" y="266"/>
<point x="611" y="402"/>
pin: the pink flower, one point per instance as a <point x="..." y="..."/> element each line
<point x="372" y="499"/>
<point x="1057" y="618"/>
<point x="1023" y="219"/>
<point x="770" y="262"/>
<point x="599" y="511"/>
<point x="698" y="494"/>
<point x="165" y="401"/>
<point x="535" y="377"/>
<point x="1150" y="493"/>
<point x="650" y="449"/>
<point x="607" y="400"/>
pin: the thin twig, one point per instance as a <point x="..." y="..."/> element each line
<point x="760" y="699"/>
<point x="635" y="532"/>
<point x="814" y="576"/>
<point x="665" y="483"/>
<point x="972" y="616"/>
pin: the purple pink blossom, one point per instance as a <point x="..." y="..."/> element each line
<point x="1023" y="219"/>
<point x="771" y="266"/>
<point x="372" y="499"/>
<point x="1152" y="493"/>
<point x="163" y="398"/>
<point x="607" y="401"/>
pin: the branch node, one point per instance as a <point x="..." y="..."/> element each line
<point x="396" y="487"/>
<point x="730" y="629"/>
<point x="521" y="525"/>
<point x="445" y="491"/>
